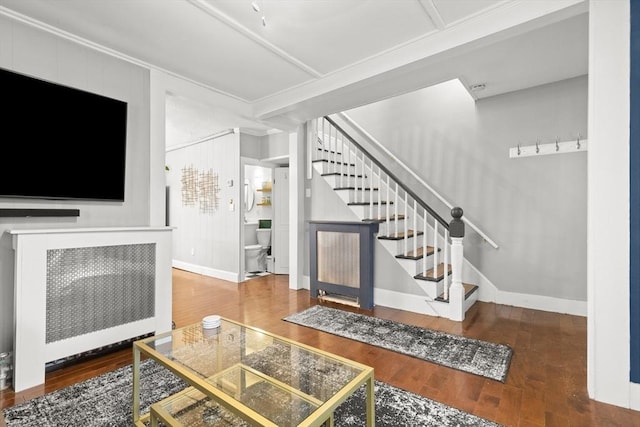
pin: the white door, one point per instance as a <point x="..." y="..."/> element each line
<point x="281" y="220"/>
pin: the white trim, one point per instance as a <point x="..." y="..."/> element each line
<point x="418" y="304"/>
<point x="297" y="225"/>
<point x="494" y="25"/>
<point x="608" y="207"/>
<point x="207" y="271"/>
<point x="409" y="302"/>
<point x="541" y="302"/>
<point x="107" y="51"/>
<point x="227" y="20"/>
<point x="276" y="159"/>
<point x="433" y="14"/>
<point x="16" y="232"/>
<point x="201" y="140"/>
<point x="634" y="396"/>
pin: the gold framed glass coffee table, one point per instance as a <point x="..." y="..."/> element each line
<point x="240" y="373"/>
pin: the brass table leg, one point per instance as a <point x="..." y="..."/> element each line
<point x="136" y="383"/>
<point x="371" y="403"/>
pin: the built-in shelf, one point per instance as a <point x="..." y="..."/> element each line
<point x="265" y="190"/>
<point x="264" y="204"/>
<point x="26" y="213"/>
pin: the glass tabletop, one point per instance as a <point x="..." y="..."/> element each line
<point x="280" y="379"/>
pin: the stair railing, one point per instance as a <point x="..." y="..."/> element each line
<point x="466" y="220"/>
<point x="357" y="170"/>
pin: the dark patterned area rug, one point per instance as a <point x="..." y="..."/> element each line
<point x="105" y="401"/>
<point x="478" y="357"/>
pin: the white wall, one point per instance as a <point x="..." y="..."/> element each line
<point x="207" y="246"/>
<point x="608" y="206"/>
<point x="275" y="145"/>
<point x="207" y="242"/>
<point x="534" y="207"/>
<point x="250" y="146"/>
<point x="31" y="51"/>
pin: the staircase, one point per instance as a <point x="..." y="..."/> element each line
<point x="428" y="248"/>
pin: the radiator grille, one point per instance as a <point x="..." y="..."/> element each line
<point x="95" y="288"/>
<point x="339" y="258"/>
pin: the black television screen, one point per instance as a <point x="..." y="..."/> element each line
<point x="59" y="142"/>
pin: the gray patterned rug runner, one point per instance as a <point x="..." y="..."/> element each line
<point x="478" y="357"/>
<point x="105" y="401"/>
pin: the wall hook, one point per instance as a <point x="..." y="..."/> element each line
<point x="518" y="149"/>
<point x="578" y="142"/>
<point x="537" y="146"/>
<point x="557" y="146"/>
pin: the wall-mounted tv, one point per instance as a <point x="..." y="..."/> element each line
<point x="59" y="142"/>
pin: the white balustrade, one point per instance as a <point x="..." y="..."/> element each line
<point x="344" y="158"/>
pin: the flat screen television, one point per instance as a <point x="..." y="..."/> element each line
<point x="59" y="142"/>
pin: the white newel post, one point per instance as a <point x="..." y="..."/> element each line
<point x="456" y="293"/>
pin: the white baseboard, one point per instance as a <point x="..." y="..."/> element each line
<point x="541" y="302"/>
<point x="409" y="302"/>
<point x="634" y="396"/>
<point x="207" y="271"/>
<point x="489" y="293"/>
<point x="419" y="304"/>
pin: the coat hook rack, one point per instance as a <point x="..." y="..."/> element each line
<point x="557" y="147"/>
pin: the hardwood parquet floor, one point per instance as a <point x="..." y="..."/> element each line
<point x="546" y="385"/>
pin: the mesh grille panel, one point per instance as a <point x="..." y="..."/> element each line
<point x="90" y="289"/>
<point x="339" y="258"/>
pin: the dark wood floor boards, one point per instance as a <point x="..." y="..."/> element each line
<point x="546" y="385"/>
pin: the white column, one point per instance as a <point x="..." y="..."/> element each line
<point x="456" y="292"/>
<point x="296" y="208"/>
<point x="608" y="206"/>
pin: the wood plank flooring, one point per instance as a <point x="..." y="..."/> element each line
<point x="546" y="385"/>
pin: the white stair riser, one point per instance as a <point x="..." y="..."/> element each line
<point x="396" y="247"/>
<point x="411" y="266"/>
<point x="385" y="230"/>
<point x="359" y="196"/>
<point x="329" y="167"/>
<point x="471" y="300"/>
<point x="430" y="288"/>
<point x="335" y="181"/>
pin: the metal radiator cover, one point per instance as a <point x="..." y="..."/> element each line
<point x="95" y="288"/>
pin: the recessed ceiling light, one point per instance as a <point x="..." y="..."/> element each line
<point x="477" y="87"/>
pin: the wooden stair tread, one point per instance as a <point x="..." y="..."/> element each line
<point x="343" y="174"/>
<point x="419" y="253"/>
<point x="329" y="151"/>
<point x="400" y="235"/>
<point x="428" y="275"/>
<point x="359" y="188"/>
<point x="383" y="219"/>
<point x="332" y="161"/>
<point x="368" y="203"/>
<point x="469" y="289"/>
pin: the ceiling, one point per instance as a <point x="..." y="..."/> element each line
<point x="319" y="56"/>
